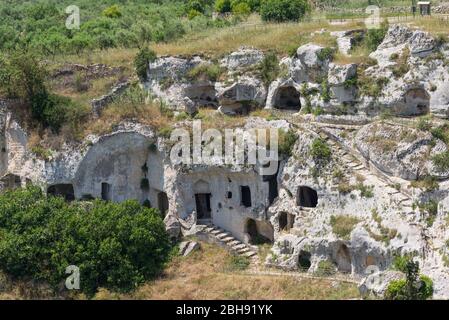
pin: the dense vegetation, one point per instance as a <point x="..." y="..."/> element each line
<point x="115" y="246"/>
<point x="40" y="25"/>
<point x="415" y="286"/>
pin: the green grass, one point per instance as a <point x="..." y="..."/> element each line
<point x="343" y="225"/>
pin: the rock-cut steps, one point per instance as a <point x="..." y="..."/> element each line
<point x="355" y="164"/>
<point x="227" y="240"/>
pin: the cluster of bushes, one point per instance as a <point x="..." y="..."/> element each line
<point x="23" y="76"/>
<point x="270" y="10"/>
<point x="115" y="246"/>
<point x="415" y="286"/>
<point x="40" y="25"/>
<point x="239" y="7"/>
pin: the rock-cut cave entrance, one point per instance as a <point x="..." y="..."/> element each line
<point x="287" y="98"/>
<point x="304" y="262"/>
<point x="203" y="209"/>
<point x="202" y="95"/>
<point x="417" y="102"/>
<point x="343" y="259"/>
<point x="62" y="190"/>
<point x="286" y="221"/>
<point x="162" y="203"/>
<point x="255" y="235"/>
<point x="307" y="197"/>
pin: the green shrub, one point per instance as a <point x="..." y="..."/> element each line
<point x="400" y="262"/>
<point x="193" y="13"/>
<point x="269" y="68"/>
<point x="343" y="225"/>
<point x="287" y="140"/>
<point x="283" y="10"/>
<point x="236" y="263"/>
<point x="41" y="152"/>
<point x="326" y="54"/>
<point x="325" y="91"/>
<point x="142" y="60"/>
<point x="241" y="9"/>
<point x="320" y="150"/>
<point x="223" y="6"/>
<point x="115" y="246"/>
<point x="112" y="12"/>
<point x="325" y="269"/>
<point x="441" y="161"/>
<point x="441" y="132"/>
<point x="374" y="37"/>
<point x="413" y="287"/>
<point x="205" y="71"/>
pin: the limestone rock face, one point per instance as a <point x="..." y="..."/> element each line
<point x="399" y="151"/>
<point x="314" y="60"/>
<point x="346" y="39"/>
<point x="240" y="95"/>
<point x="339" y="79"/>
<point x="376" y="284"/>
<point x="172" y="68"/>
<point x="421" y="43"/>
<point x="439" y="100"/>
<point x="244" y="57"/>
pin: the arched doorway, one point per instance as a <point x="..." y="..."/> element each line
<point x="287" y="98"/>
<point x="343" y="259"/>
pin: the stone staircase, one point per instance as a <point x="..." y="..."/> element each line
<point x="357" y="165"/>
<point x="227" y="240"/>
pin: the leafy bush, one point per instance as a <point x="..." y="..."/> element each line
<point x="223" y="6"/>
<point x="374" y="37"/>
<point x="326" y="54"/>
<point x="24" y="76"/>
<point x="343" y="225"/>
<point x="269" y="68"/>
<point x="320" y="150"/>
<point x="287" y="140"/>
<point x="413" y="287"/>
<point x="237" y="263"/>
<point x="441" y="161"/>
<point x="325" y="269"/>
<point x="283" y="10"/>
<point x="205" y="71"/>
<point x="241" y="9"/>
<point x="116" y="246"/>
<point x="142" y="60"/>
<point x="112" y="12"/>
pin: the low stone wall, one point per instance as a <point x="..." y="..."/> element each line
<point x="99" y="104"/>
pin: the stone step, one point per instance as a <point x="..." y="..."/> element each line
<point x="239" y="246"/>
<point x="249" y="254"/>
<point x="233" y="243"/>
<point x="228" y="239"/>
<point x="222" y="235"/>
<point x="216" y="231"/>
<point x="209" y="229"/>
<point x="359" y="167"/>
<point x="243" y="250"/>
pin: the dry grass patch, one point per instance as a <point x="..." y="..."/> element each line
<point x="201" y="276"/>
<point x="282" y="38"/>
